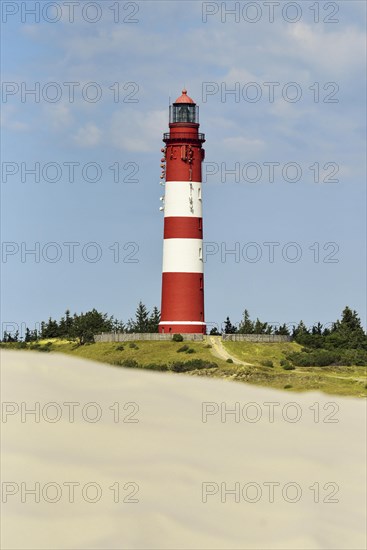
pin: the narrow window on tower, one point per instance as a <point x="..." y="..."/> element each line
<point x="200" y="224"/>
<point x="199" y="193"/>
<point x="200" y="253"/>
<point x="201" y="283"/>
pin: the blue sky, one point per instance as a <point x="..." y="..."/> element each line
<point x="170" y="46"/>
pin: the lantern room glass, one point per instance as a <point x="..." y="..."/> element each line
<point x="184" y="112"/>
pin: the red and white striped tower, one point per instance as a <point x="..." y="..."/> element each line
<point x="182" y="307"/>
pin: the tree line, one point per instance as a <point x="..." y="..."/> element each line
<point x="84" y="326"/>
<point x="344" y="334"/>
<point x="343" y="343"/>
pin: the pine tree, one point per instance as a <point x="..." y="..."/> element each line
<point x="348" y="332"/>
<point x="154" y="320"/>
<point x="259" y="327"/>
<point x="246" y="325"/>
<point x="282" y="330"/>
<point x="317" y="329"/>
<point x="68" y="324"/>
<point x="228" y="327"/>
<point x="141" y="321"/>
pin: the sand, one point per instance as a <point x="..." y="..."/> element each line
<point x="149" y="473"/>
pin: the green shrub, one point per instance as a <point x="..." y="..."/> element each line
<point x="314" y="358"/>
<point x="208" y="346"/>
<point x="20" y="345"/>
<point x="267" y="363"/>
<point x="229" y="360"/>
<point x="288" y="367"/>
<point x="132" y="345"/>
<point x="130" y="363"/>
<point x="194" y="364"/>
<point x="183" y="348"/>
<point x="155" y="366"/>
<point x="120" y="348"/>
<point x="46" y="347"/>
<point x="177" y="338"/>
<point x="191" y="350"/>
<point x="36" y="345"/>
<point x="353" y="357"/>
<point x="287" y="386"/>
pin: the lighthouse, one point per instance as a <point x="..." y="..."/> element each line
<point x="182" y="308"/>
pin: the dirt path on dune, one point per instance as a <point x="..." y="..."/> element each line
<point x="219" y="350"/>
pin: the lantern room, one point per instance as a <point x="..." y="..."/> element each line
<point x="184" y="110"/>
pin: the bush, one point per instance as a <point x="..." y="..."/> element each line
<point x="20" y="345"/>
<point x="47" y="347"/>
<point x="208" y="346"/>
<point x="353" y="357"/>
<point x="132" y="345"/>
<point x="194" y="364"/>
<point x="191" y="350"/>
<point x="36" y="345"/>
<point x="229" y="360"/>
<point x="155" y="366"/>
<point x="130" y="363"/>
<point x="267" y="363"/>
<point x="314" y="358"/>
<point x="183" y="348"/>
<point x="120" y="348"/>
<point x="287" y="386"/>
<point x="288" y="366"/>
<point x="177" y="338"/>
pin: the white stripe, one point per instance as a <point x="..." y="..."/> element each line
<point x="181" y="323"/>
<point x="183" y="198"/>
<point x="183" y="256"/>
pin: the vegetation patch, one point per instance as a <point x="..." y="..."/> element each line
<point x="267" y="363"/>
<point x="183" y="349"/>
<point x="194" y="364"/>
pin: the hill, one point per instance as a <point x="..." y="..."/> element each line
<point x="252" y="363"/>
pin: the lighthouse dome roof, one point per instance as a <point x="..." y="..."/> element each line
<point x="184" y="98"/>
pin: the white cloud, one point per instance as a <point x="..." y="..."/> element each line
<point x="137" y="131"/>
<point x="241" y="144"/>
<point x="88" y="136"/>
<point x="336" y="51"/>
<point x="8" y="119"/>
<point x="59" y="115"/>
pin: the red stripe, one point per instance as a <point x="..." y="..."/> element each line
<point x="178" y="167"/>
<point x="182" y="297"/>
<point x="177" y="227"/>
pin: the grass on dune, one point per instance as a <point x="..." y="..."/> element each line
<point x="144" y="352"/>
<point x="348" y="381"/>
<point x="255" y="353"/>
<point x="334" y="380"/>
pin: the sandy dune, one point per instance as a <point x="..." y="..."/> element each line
<point x="167" y="469"/>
